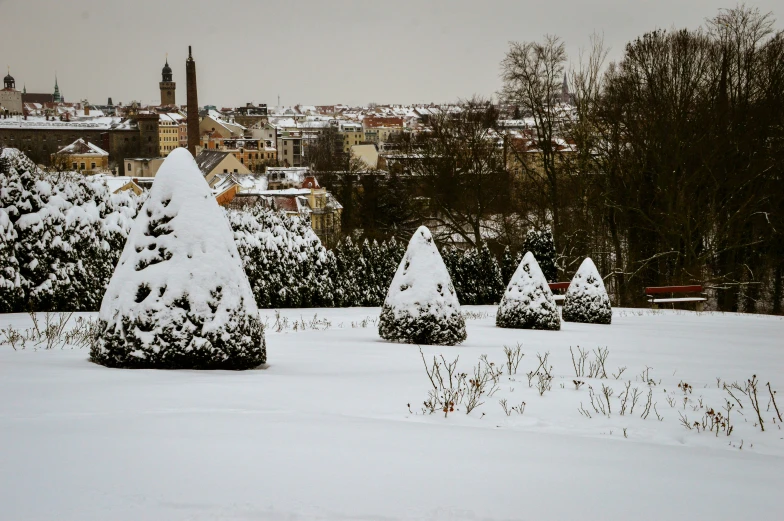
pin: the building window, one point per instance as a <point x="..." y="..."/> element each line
<point x="92" y="166"/>
<point x="74" y="166"/>
<point x="129" y="167"/>
<point x="81" y="166"/>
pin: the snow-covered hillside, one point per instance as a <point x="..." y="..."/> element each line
<point x="325" y="431"/>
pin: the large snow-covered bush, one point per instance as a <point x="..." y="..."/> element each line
<point x="284" y="260"/>
<point x="528" y="302"/>
<point x="542" y="245"/>
<point x="63" y="235"/>
<point x="586" y="299"/>
<point x="10" y="279"/>
<point x="179" y="297"/>
<point x="421" y="306"/>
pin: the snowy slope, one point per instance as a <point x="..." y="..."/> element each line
<point x="325" y="433"/>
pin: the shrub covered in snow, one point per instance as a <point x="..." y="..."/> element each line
<point x="60" y="237"/>
<point x="586" y="299"/>
<point x="421" y="306"/>
<point x="179" y="297"/>
<point x="528" y="302"/>
<point x="10" y="279"/>
<point x="542" y="245"/>
<point x="284" y="260"/>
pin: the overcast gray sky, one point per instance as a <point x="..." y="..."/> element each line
<point x="308" y="51"/>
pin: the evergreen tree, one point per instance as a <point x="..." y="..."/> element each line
<point x="586" y="299"/>
<point x="492" y="287"/>
<point x="542" y="245"/>
<point x="421" y="306"/>
<point x="179" y="297"/>
<point x="10" y="279"/>
<point x="528" y="302"/>
<point x="509" y="264"/>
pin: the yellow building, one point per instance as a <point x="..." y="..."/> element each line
<point x="353" y="134"/>
<point x="82" y="156"/>
<point x="169" y="132"/>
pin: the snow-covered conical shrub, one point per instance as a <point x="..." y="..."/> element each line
<point x="421" y="305"/>
<point x="179" y="297"/>
<point x="528" y="302"/>
<point x="586" y="299"/>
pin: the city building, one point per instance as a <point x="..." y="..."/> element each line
<point x="171" y="130"/>
<point x="82" y="156"/>
<point x="212" y="162"/>
<point x="352" y="133"/>
<point x="289" y="145"/>
<point x="142" y="166"/>
<point x="10" y="98"/>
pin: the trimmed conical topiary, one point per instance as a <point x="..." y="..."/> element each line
<point x="586" y="299"/>
<point x="179" y="297"/>
<point x="421" y="306"/>
<point x="528" y="302"/>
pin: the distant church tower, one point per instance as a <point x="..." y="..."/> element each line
<point x="565" y="96"/>
<point x="167" y="85"/>
<point x="193" y="103"/>
<point x="58" y="98"/>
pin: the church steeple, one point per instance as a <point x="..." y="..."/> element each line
<point x="58" y="98"/>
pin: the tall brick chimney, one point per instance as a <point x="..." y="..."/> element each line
<point x="193" y="103"/>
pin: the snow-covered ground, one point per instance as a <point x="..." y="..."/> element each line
<point x="325" y="432"/>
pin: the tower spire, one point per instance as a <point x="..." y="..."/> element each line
<point x="57" y="96"/>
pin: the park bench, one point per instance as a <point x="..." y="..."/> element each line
<point x="558" y="286"/>
<point x="666" y="295"/>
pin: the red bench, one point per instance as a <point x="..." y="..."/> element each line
<point x="557" y="286"/>
<point x="666" y="295"/>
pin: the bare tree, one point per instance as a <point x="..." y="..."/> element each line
<point x="532" y="73"/>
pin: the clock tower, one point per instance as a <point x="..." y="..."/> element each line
<point x="167" y="85"/>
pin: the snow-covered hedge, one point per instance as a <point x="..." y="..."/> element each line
<point x="421" y="306"/>
<point x="60" y="237"/>
<point x="586" y="299"/>
<point x="284" y="260"/>
<point x="179" y="297"/>
<point x="528" y="302"/>
<point x="476" y="275"/>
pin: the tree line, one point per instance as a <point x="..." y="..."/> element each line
<point x="665" y="166"/>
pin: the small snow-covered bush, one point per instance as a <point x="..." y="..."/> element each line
<point x="528" y="302"/>
<point x="179" y="297"/>
<point x="586" y="299"/>
<point x="421" y="306"/>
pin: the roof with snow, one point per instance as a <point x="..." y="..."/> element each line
<point x="83" y="148"/>
<point x="207" y="160"/>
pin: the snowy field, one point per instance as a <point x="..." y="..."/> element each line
<point x="324" y="432"/>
